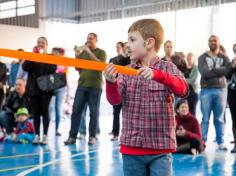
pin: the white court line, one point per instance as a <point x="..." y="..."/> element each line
<point x="54" y="161"/>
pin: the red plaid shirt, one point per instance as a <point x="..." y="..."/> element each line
<point x="147" y="106"/>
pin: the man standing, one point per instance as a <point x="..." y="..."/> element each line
<point x="213" y="67"/>
<point x="88" y="91"/>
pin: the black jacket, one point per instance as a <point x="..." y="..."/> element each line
<point x="14" y="102"/>
<point x="214" y="71"/>
<point x="3" y="73"/>
<point x="36" y="70"/>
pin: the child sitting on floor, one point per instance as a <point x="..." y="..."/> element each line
<point x="24" y="132"/>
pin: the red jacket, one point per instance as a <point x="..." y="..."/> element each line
<point x="192" y="127"/>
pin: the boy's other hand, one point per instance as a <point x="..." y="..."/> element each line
<point x="110" y="73"/>
<point x="146" y="73"/>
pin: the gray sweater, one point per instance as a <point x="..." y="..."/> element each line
<point x="213" y="70"/>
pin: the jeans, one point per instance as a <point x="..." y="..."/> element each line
<point x="56" y="104"/>
<point x="83" y="96"/>
<point x="82" y="126"/>
<point x="6" y="121"/>
<point x="147" y="165"/>
<point x="213" y="99"/>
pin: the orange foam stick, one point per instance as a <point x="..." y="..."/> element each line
<point x="58" y="60"/>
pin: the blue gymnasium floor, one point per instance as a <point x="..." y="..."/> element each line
<point x="104" y="159"/>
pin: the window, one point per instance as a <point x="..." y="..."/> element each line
<point x="17" y="8"/>
<point x="24" y="3"/>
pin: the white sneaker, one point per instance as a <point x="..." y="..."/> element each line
<point x="222" y="147"/>
<point x="44" y="140"/>
<point x="36" y="139"/>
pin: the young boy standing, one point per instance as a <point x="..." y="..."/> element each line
<point x="148" y="126"/>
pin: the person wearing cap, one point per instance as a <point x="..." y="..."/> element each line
<point x="24" y="132"/>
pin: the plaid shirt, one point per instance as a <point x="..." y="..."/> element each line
<point x="147" y="107"/>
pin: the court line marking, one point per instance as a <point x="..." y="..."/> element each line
<point x="30" y="166"/>
<point x="55" y="161"/>
<point x="30" y="154"/>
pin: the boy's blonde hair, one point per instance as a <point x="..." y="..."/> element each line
<point x="149" y="28"/>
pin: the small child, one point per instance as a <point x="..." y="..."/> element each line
<point x="24" y="132"/>
<point x="188" y="133"/>
<point x="148" y="122"/>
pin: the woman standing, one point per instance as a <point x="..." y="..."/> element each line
<point x="232" y="97"/>
<point x="56" y="103"/>
<point x="39" y="99"/>
<point x="191" y="75"/>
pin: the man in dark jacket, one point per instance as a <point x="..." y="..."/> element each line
<point x="213" y="67"/>
<point x="3" y="78"/>
<point x="15" y="100"/>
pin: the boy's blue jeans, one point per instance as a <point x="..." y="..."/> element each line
<point x="213" y="100"/>
<point x="147" y="165"/>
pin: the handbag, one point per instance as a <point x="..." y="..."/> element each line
<point x="232" y="84"/>
<point x="52" y="82"/>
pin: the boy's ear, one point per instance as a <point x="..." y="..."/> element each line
<point x="150" y="43"/>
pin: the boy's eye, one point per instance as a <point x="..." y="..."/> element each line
<point x="132" y="39"/>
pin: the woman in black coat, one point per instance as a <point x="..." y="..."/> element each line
<point x="39" y="99"/>
<point x="232" y="98"/>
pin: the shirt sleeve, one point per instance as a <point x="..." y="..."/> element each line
<point x="175" y="83"/>
<point x="112" y="93"/>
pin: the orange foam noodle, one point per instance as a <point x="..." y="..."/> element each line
<point x="58" y="60"/>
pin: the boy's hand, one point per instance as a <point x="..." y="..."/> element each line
<point x="110" y="73"/>
<point x="146" y="73"/>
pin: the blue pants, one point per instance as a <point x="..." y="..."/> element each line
<point x="82" y="126"/>
<point x="147" y="165"/>
<point x="56" y="105"/>
<point x="24" y="136"/>
<point x="83" y="96"/>
<point x="213" y="99"/>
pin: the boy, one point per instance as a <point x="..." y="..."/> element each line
<point x="148" y="125"/>
<point x="24" y="132"/>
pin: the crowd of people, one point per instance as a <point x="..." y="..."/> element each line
<point x="147" y="100"/>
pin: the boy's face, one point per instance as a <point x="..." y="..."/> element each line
<point x="21" y="118"/>
<point x="136" y="46"/>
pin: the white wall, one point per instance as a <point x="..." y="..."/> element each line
<point x="15" y="37"/>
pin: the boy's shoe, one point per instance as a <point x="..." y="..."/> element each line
<point x="70" y="141"/>
<point x="222" y="147"/>
<point x="82" y="136"/>
<point x="36" y="139"/>
<point x="44" y="140"/>
<point x="92" y="141"/>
